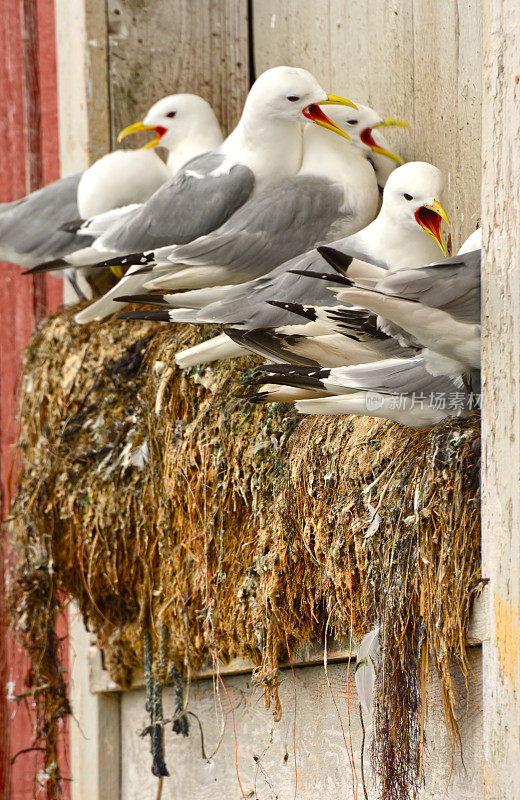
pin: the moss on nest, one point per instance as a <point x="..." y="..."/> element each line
<point x="165" y="502"/>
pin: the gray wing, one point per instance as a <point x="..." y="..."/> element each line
<point x="271" y="228"/>
<point x="250" y="310"/>
<point x="30" y="227"/>
<point x="395" y="376"/>
<point x="191" y="204"/>
<point x="452" y="285"/>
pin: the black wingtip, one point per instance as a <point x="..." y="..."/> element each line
<point x="47" y="266"/>
<point x="235" y="335"/>
<point x="337" y="260"/>
<point x="148" y="299"/>
<point x="323" y="276"/>
<point x="263" y="369"/>
<point x="253" y="397"/>
<point x="154" y="316"/>
<point x="73" y="226"/>
<point x="129" y="260"/>
<point x="295" y="308"/>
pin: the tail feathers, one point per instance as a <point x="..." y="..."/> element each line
<point x="155" y="316"/>
<point x="345" y="404"/>
<point x="210" y="350"/>
<point x="272" y="393"/>
<point x="323" y="276"/>
<point x="337" y="260"/>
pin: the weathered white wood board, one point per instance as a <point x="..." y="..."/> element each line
<point x="266" y="749"/>
<point x="501" y="404"/>
<point x="413" y="59"/>
<point x="158" y="47"/>
<point x="95" y="729"/>
<point x="81" y="50"/>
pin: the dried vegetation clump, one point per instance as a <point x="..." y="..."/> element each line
<point x="179" y="516"/>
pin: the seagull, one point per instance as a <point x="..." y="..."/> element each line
<point x="436" y="307"/>
<point x="473" y="242"/>
<point x="271" y="221"/>
<point x="406" y="233"/>
<point x="334" y="192"/>
<point x="364" y="129"/>
<point x="434" y="310"/>
<point x="318" y="160"/>
<point x="196" y="129"/>
<point x="31" y="228"/>
<point x="399" y="389"/>
<point x="264" y="148"/>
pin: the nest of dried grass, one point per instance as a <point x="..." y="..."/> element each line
<point x="177" y="514"/>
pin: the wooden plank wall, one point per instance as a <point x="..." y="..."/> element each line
<point x="409" y="58"/>
<point x="413" y="59"/>
<point x="159" y="47"/>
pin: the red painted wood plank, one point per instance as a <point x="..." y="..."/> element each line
<point x="29" y="134"/>
<point x="50" y="143"/>
<point x="15" y="327"/>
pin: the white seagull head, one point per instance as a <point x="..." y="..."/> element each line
<point x="294" y="95"/>
<point x="411" y="198"/>
<point x="174" y="119"/>
<point x="360" y="125"/>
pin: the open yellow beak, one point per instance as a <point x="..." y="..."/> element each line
<point x="137" y="127"/>
<point x="389" y="122"/>
<point x="436" y="206"/>
<point x="315" y="114"/>
<point x="429" y="218"/>
<point x="388" y="153"/>
<point x="334" y="100"/>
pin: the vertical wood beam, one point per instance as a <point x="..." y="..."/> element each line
<point x="84" y="121"/>
<point x="96" y="736"/>
<point x="83" y="96"/>
<point x="501" y="404"/>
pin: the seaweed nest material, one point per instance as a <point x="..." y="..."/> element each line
<point x="190" y="524"/>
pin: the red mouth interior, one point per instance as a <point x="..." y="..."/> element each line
<point x="315" y="113"/>
<point x="366" y="137"/>
<point x="429" y="220"/>
<point x="161" y="131"/>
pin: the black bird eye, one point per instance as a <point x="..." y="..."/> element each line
<point x="407" y="196"/>
<point x="171" y="114"/>
<point x="293" y="98"/>
<point x="352" y="122"/>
